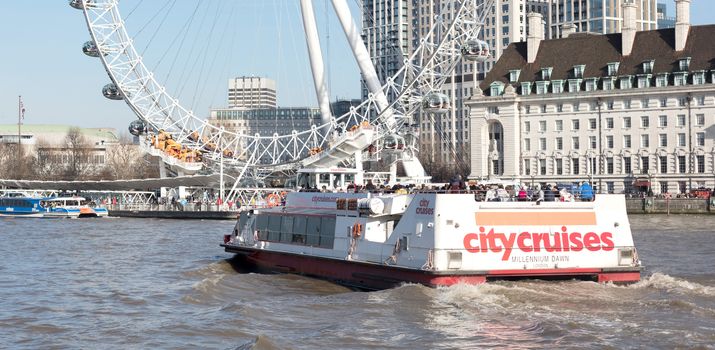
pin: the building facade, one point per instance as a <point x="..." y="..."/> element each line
<point x="638" y="113"/>
<point x="597" y="16"/>
<point x="50" y="145"/>
<point x="265" y="122"/>
<point x="251" y="92"/>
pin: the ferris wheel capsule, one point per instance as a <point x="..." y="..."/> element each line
<point x="476" y="50"/>
<point x="80" y="4"/>
<point x="436" y="103"/>
<point x="90" y="49"/>
<point x="76" y="4"/>
<point x="394" y="142"/>
<point x="112" y="92"/>
<point x="137" y="127"/>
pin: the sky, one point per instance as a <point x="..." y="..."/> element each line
<point x="192" y="50"/>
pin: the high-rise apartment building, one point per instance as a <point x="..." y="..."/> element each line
<point x="251" y="92"/>
<point x="444" y="137"/>
<point x="385" y="33"/>
<point x="663" y="20"/>
<point x="597" y="16"/>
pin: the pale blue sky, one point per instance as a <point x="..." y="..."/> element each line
<point x="42" y="59"/>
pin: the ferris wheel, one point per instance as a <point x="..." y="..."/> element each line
<point x="189" y="143"/>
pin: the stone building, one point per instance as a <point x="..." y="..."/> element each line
<point x="630" y="111"/>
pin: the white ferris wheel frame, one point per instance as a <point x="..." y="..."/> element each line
<point x="424" y="72"/>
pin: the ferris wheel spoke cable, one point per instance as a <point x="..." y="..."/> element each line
<point x="183" y="79"/>
<point x="225" y="71"/>
<point x="204" y="78"/>
<point x="152" y="18"/>
<point x="129" y="14"/>
<point x="158" y="29"/>
<point x="185" y="29"/>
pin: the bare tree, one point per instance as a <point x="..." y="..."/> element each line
<point x="124" y="160"/>
<point x="8" y="160"/>
<point x="79" y="152"/>
<point x="47" y="162"/>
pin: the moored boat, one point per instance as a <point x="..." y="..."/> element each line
<point x="376" y="241"/>
<point x="72" y="207"/>
<point x="20" y="205"/>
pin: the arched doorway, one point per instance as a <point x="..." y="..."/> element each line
<point x="496" y="148"/>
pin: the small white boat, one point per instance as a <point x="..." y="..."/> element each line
<point x="72" y="207"/>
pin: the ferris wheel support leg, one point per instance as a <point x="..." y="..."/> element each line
<point x="316" y="59"/>
<point x="363" y="59"/>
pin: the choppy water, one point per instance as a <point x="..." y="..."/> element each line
<point x="139" y="283"/>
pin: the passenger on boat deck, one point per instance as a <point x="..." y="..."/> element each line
<point x="586" y="192"/>
<point x="370" y="186"/>
<point x="502" y="194"/>
<point x="522" y="194"/>
<point x="491" y="195"/>
<point x="539" y="194"/>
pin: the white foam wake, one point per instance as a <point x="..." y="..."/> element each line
<point x="672" y="284"/>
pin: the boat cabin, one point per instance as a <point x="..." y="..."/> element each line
<point x="330" y="178"/>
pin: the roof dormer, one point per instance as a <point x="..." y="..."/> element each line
<point x="514" y="75"/>
<point x="578" y="71"/>
<point x="496" y="88"/>
<point x="546" y="73"/>
<point x="648" y="66"/>
<point x="613" y="68"/>
<point x="684" y="64"/>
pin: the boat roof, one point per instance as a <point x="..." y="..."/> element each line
<point x="63" y="198"/>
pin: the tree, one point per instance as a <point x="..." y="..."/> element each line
<point x="10" y="166"/>
<point x="124" y="160"/>
<point x="78" y="151"/>
<point x="47" y="162"/>
<point x="128" y="161"/>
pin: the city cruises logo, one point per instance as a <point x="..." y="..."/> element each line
<point x="491" y="239"/>
<point x="564" y="241"/>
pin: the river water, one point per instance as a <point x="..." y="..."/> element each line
<point x="143" y="283"/>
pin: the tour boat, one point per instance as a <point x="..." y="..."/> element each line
<point x="72" y="207"/>
<point x="377" y="241"/>
<point x="20" y="205"/>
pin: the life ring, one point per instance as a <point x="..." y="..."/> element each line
<point x="357" y="230"/>
<point x="273" y="200"/>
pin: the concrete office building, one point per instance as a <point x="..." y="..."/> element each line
<point x="636" y="112"/>
<point x="251" y="92"/>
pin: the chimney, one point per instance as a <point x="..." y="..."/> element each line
<point x="628" y="32"/>
<point x="682" y="23"/>
<point x="536" y="35"/>
<point x="568" y="29"/>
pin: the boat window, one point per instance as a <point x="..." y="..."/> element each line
<point x="324" y="179"/>
<point x="262" y="227"/>
<point x="274" y="228"/>
<point x="312" y="231"/>
<point x="327" y="232"/>
<point x="299" y="229"/>
<point x="287" y="228"/>
<point x="242" y="220"/>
